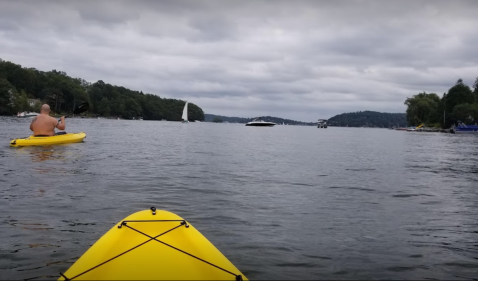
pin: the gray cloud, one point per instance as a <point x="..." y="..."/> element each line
<point x="302" y="60"/>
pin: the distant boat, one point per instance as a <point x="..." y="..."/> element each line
<point x="412" y="129"/>
<point x="27" y="114"/>
<point x="464" y="129"/>
<point x="260" y="123"/>
<point x="322" y="123"/>
<point x="185" y="113"/>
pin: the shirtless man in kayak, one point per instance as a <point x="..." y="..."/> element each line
<point x="44" y="124"/>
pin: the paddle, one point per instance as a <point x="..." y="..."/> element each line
<point x="82" y="107"/>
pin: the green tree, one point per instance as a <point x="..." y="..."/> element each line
<point x="466" y="112"/>
<point x="458" y="94"/>
<point x="133" y="109"/>
<point x="20" y="102"/>
<point x="54" y="98"/>
<point x="7" y="92"/>
<point x="195" y="112"/>
<point x="422" y="109"/>
<point x="104" y="107"/>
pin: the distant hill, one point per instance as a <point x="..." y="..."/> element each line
<point x="277" y="120"/>
<point x="352" y="119"/>
<point x="369" y="119"/>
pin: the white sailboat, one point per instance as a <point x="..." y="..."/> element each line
<point x="185" y="113"/>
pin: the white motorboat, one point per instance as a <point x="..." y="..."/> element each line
<point x="27" y="114"/>
<point x="260" y="123"/>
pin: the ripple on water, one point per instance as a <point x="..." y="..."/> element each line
<point x="287" y="203"/>
<point x="410" y="195"/>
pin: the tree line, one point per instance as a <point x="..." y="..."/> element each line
<point x="63" y="93"/>
<point x="460" y="103"/>
<point x="368" y="119"/>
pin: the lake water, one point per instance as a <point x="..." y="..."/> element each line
<point x="288" y="202"/>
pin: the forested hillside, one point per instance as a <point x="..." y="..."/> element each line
<point x="369" y="119"/>
<point x="19" y="84"/>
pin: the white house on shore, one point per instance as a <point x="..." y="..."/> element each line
<point x="33" y="102"/>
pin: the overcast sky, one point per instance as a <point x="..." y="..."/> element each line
<point x="302" y="60"/>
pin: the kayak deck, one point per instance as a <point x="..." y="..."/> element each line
<point x="153" y="245"/>
<point x="48" y="140"/>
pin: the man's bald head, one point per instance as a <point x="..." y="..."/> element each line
<point x="45" y="108"/>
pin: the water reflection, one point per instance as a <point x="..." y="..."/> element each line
<point x="41" y="153"/>
<point x="47" y="154"/>
<point x="49" y="159"/>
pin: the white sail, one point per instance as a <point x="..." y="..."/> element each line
<point x="185" y="112"/>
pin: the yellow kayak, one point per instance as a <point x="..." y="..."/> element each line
<point x="153" y="245"/>
<point x="48" y="140"/>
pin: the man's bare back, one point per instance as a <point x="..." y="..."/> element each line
<point x="44" y="124"/>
